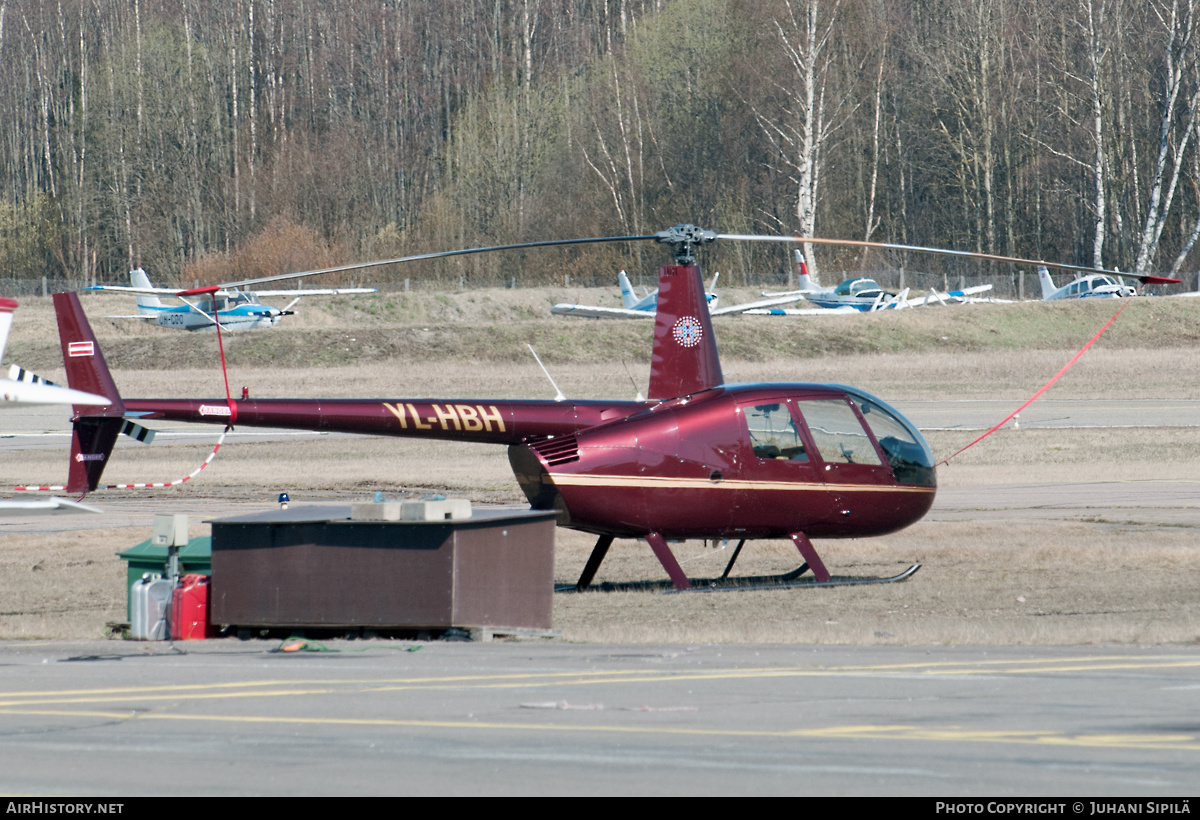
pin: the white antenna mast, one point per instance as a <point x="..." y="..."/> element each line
<point x="558" y="394"/>
<point x="640" y="397"/>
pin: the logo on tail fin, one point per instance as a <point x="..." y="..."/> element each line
<point x="688" y="331"/>
<point x="76" y="349"/>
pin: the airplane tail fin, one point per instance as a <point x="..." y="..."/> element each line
<point x="1048" y="287"/>
<point x="140" y="280"/>
<point x="95" y="428"/>
<point x="806" y="281"/>
<point x="628" y="297"/>
<point x="7" y="306"/>
<point x="684" y="358"/>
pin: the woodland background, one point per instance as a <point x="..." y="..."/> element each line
<point x="209" y="139"/>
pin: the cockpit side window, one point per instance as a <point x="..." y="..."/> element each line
<point x="773" y="433"/>
<point x="837" y="433"/>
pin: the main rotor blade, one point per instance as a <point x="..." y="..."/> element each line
<point x="858" y="243"/>
<point x="437" y="255"/>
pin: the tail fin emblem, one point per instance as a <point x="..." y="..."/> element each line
<point x="688" y="331"/>
<point x="81" y="349"/>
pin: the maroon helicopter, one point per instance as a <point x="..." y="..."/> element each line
<point x="698" y="459"/>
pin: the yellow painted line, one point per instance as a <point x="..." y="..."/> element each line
<point x="316" y="682"/>
<point x="1018" y="666"/>
<point x="174" y="688"/>
<point x="259" y="689"/>
<point x="902" y="733"/>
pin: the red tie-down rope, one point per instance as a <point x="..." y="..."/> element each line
<point x="142" y="486"/>
<point x="1045" y="387"/>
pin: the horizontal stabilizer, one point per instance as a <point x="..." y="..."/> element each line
<point x="44" y="506"/>
<point x="20" y="374"/>
<point x="137" y="432"/>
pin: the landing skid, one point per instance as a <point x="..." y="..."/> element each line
<point x="788" y="580"/>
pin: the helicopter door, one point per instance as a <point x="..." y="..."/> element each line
<point x="844" y="446"/>
<point x="782" y="488"/>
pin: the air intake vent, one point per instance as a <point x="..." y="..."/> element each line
<point x="555" y="451"/>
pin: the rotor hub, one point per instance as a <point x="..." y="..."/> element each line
<point x="684" y="238"/>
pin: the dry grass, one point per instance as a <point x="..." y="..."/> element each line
<point x="980" y="583"/>
<point x="62" y="585"/>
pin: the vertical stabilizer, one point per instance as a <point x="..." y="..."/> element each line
<point x="684" y="359"/>
<point x="1048" y="287"/>
<point x="806" y="281"/>
<point x="628" y="297"/>
<point x="95" y="428"/>
<point x="7" y="306"/>
<point x="140" y="280"/>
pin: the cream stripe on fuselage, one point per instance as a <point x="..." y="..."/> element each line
<point x="576" y="480"/>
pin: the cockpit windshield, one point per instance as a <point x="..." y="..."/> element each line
<point x="227" y="302"/>
<point x="907" y="452"/>
<point x="856" y="287"/>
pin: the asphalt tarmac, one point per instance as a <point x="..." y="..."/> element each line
<point x="408" y="718"/>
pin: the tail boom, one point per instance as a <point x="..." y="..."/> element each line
<point x="477" y="420"/>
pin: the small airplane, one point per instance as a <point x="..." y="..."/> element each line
<point x="860" y="295"/>
<point x="24" y="389"/>
<point x="698" y="459"/>
<point x="1097" y="285"/>
<point x="643" y="307"/>
<point x="238" y="309"/>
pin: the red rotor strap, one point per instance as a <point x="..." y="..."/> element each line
<point x="224" y="371"/>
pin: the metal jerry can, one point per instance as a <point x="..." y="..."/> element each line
<point x="151" y="599"/>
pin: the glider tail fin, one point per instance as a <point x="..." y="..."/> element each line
<point x="140" y="280"/>
<point x="1048" y="287"/>
<point x="7" y="306"/>
<point x="628" y="297"/>
<point x="95" y="428"/>
<point x="806" y="282"/>
<point x="684" y="358"/>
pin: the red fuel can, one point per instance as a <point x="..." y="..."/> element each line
<point x="189" y="610"/>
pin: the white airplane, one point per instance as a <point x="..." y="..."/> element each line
<point x="238" y="309"/>
<point x="644" y="307"/>
<point x="1096" y="285"/>
<point x="860" y="295"/>
<point x="22" y="389"/>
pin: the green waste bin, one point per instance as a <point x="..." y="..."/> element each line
<point x="196" y="558"/>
